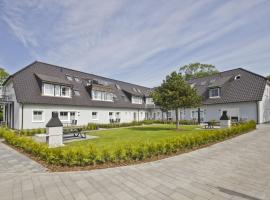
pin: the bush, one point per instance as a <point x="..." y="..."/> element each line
<point x="92" y="155"/>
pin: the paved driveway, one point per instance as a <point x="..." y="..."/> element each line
<point x="235" y="169"/>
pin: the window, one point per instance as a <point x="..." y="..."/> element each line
<point x="37" y="116"/>
<point x="72" y="116"/>
<point x="117" y="115"/>
<point x="69" y="78"/>
<point x="102" y="96"/>
<point x="77" y="79"/>
<point x="149" y="101"/>
<point x="214" y="93"/>
<point x="57" y="90"/>
<point x="139" y="90"/>
<point x="94" y="115"/>
<point x="111" y="115"/>
<point x="76" y="92"/>
<point x="136" y="100"/>
<point x="169" y="114"/>
<point x="65" y="91"/>
<point x="63" y="116"/>
<point x="48" y="89"/>
<point x="134" y="89"/>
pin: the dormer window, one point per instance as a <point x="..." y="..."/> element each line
<point x="77" y="79"/>
<point x="55" y="90"/>
<point x="149" y="101"/>
<point x="65" y="91"/>
<point x="102" y="96"/>
<point x="214" y="93"/>
<point x="136" y="100"/>
<point x="69" y="78"/>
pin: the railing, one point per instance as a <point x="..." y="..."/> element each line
<point x="5" y="98"/>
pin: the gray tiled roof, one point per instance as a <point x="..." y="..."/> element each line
<point x="249" y="87"/>
<point x="28" y="88"/>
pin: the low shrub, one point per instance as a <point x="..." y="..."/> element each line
<point x="92" y="155"/>
<point x="92" y="126"/>
<point x="31" y="132"/>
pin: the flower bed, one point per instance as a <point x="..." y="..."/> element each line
<point x="92" y="155"/>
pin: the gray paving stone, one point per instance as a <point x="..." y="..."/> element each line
<point x="231" y="170"/>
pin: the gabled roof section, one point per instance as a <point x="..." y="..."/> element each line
<point x="26" y="85"/>
<point x="249" y="87"/>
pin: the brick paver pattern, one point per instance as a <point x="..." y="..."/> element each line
<point x="234" y="169"/>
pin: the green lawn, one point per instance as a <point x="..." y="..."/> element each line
<point x="113" y="137"/>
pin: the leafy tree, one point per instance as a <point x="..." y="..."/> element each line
<point x="175" y="93"/>
<point x="3" y="75"/>
<point x="268" y="77"/>
<point x="197" y="70"/>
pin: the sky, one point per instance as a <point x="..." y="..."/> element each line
<point x="135" y="41"/>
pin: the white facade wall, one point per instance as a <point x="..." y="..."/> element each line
<point x="264" y="106"/>
<point x="17" y="106"/>
<point x="83" y="114"/>
<point x="244" y="111"/>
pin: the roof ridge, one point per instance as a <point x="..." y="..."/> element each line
<point x="219" y="73"/>
<point x="58" y="66"/>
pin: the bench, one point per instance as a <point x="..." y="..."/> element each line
<point x="71" y="132"/>
<point x="210" y="125"/>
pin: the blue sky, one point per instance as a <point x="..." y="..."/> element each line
<point x="136" y="41"/>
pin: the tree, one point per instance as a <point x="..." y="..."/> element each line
<point x="197" y="70"/>
<point x="268" y="77"/>
<point x="175" y="93"/>
<point x="3" y="75"/>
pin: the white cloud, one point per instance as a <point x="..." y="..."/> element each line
<point x="125" y="38"/>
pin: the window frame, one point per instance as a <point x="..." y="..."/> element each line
<point x="42" y="116"/>
<point x="68" y="116"/>
<point x="69" y="77"/>
<point x="44" y="89"/>
<point x="93" y="115"/>
<point x="149" y="101"/>
<point x="102" y="96"/>
<point x="136" y="99"/>
<point x="69" y="91"/>
<point x="211" y="92"/>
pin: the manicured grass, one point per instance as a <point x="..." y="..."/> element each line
<point x="131" y="135"/>
<point x="124" y="145"/>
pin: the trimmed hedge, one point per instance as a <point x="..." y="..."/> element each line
<point x="92" y="126"/>
<point x="92" y="155"/>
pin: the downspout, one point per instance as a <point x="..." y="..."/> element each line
<point x="258" y="112"/>
<point x="22" y="118"/>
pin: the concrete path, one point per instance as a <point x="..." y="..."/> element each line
<point x="12" y="161"/>
<point x="235" y="169"/>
